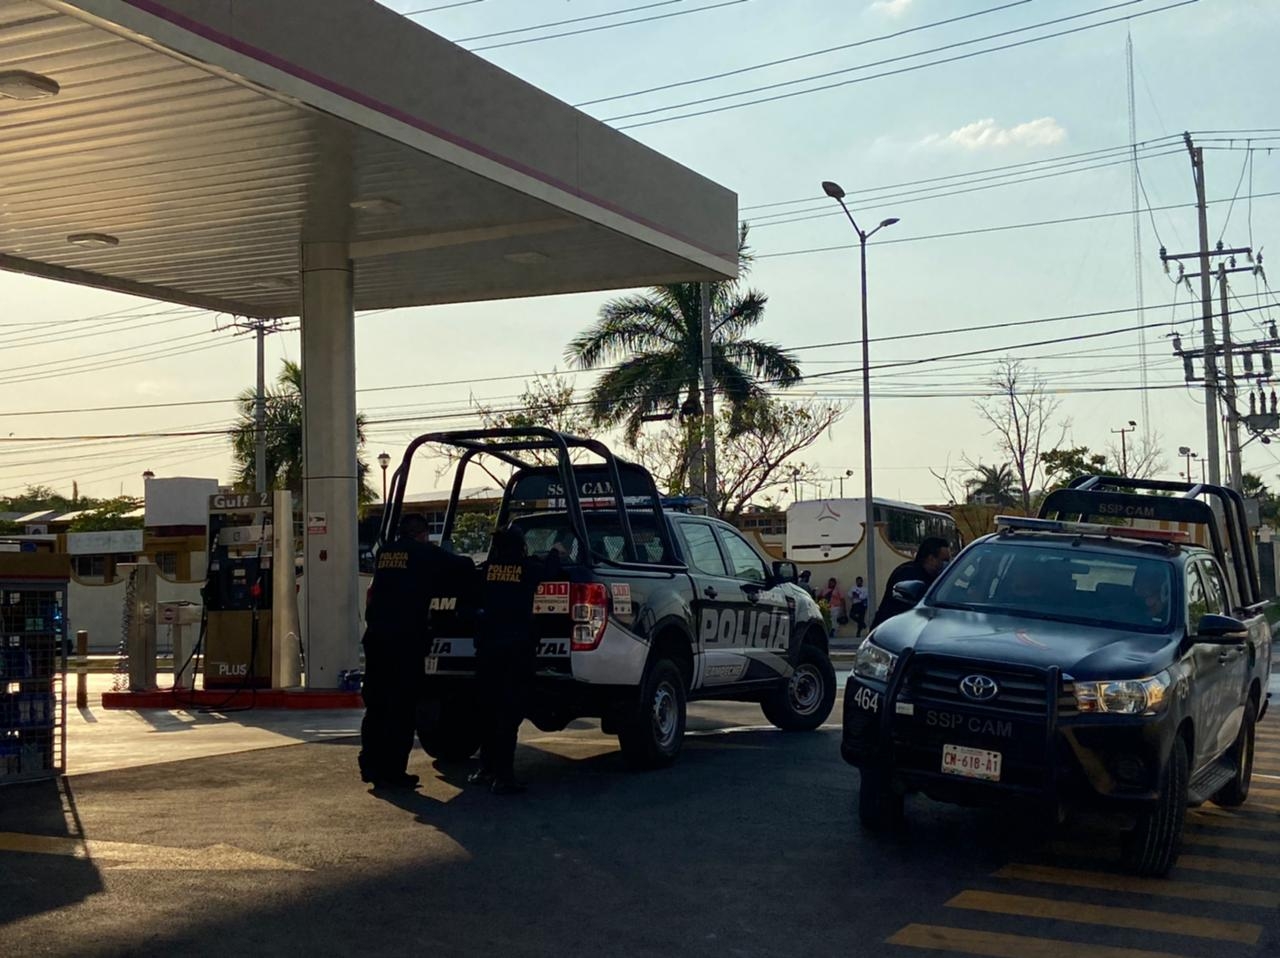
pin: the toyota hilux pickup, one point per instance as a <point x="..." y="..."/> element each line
<point x="1096" y="656"/>
<point x="640" y="609"/>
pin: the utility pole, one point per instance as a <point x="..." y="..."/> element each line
<point x="1209" y="350"/>
<point x="1206" y="304"/>
<point x="1124" y="449"/>
<point x="708" y="405"/>
<point x="1233" y="413"/>
<point x="260" y="328"/>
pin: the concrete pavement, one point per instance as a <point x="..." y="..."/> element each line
<point x="748" y="846"/>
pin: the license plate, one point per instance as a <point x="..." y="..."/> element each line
<point x="971" y="762"/>
<point x="433" y="664"/>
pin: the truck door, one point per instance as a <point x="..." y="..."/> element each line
<point x="1233" y="660"/>
<point x="716" y="593"/>
<point x="1209" y="691"/>
<point x="763" y="626"/>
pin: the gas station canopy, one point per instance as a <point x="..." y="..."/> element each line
<point x="279" y="157"/>
<point x="183" y="150"/>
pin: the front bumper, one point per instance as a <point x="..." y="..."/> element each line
<point x="1057" y="757"/>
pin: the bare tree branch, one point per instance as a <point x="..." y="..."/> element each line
<point x="1020" y="416"/>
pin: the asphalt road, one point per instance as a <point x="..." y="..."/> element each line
<point x="749" y="846"/>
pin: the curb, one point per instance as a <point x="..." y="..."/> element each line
<point x="239" y="699"/>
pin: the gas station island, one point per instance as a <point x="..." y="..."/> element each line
<point x="276" y="158"/>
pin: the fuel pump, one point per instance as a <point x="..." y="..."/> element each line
<point x="238" y="593"/>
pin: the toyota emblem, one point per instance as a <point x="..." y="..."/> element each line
<point x="979" y="688"/>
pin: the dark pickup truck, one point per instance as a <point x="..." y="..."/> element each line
<point x="1065" y="663"/>
<point x="642" y="609"/>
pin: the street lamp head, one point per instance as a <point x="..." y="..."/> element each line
<point x="1184" y="450"/>
<point x="384" y="460"/>
<point x="832" y="190"/>
<point x="1132" y="423"/>
<point x="889" y="222"/>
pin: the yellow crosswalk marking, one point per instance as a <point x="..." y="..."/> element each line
<point x="1031" y="907"/>
<point x="1231" y="841"/>
<point x="1143" y="886"/>
<point x="1228" y="866"/>
<point x="131" y="856"/>
<point x="995" y="945"/>
<point x="1227" y="820"/>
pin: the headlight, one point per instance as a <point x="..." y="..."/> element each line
<point x="873" y="662"/>
<point x="1123" y="696"/>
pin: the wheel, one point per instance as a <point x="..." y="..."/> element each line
<point x="880" y="808"/>
<point x="1237" y="790"/>
<point x="1152" y="846"/>
<point x="806" y="700"/>
<point x="654" y="733"/>
<point x="449" y="729"/>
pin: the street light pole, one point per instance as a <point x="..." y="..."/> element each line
<point x="834" y="191"/>
<point x="384" y="460"/>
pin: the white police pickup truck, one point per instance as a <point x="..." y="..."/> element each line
<point x="645" y="611"/>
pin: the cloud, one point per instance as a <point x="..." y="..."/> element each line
<point x="988" y="135"/>
<point x="891" y="8"/>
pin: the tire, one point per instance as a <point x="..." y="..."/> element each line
<point x="880" y="808"/>
<point x="806" y="699"/>
<point x="1152" y="847"/>
<point x="652" y="736"/>
<point x="1236" y="791"/>
<point x="449" y="730"/>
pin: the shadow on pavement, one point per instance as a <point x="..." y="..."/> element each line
<point x="735" y="850"/>
<point x="32" y="883"/>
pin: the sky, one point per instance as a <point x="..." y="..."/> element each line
<point x="1200" y="65"/>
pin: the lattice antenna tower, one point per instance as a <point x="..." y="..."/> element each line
<point x="1137" y="245"/>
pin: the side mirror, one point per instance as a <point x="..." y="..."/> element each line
<point x="784" y="571"/>
<point x="1225" y="629"/>
<point x="910" y="592"/>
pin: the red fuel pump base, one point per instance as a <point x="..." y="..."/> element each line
<point x="261" y="699"/>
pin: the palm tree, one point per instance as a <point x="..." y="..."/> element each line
<point x="655" y="339"/>
<point x="993" y="485"/>
<point x="283" y="428"/>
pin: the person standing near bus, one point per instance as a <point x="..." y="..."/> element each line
<point x="833" y="595"/>
<point x="858" y="605"/>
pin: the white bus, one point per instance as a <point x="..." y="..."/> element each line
<point x="825" y="537"/>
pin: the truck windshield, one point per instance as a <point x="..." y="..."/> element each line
<point x="1097" y="588"/>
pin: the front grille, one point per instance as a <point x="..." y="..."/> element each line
<point x="1019" y="692"/>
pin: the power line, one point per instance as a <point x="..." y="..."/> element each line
<point x="874" y="63"/>
<point x="607" y="26"/>
<point x="893" y="364"/>
<point x="572" y="20"/>
<point x="949" y="331"/>
<point x="1244" y="167"/>
<point x="803" y="216"/>
<point x="443" y="6"/>
<point x="800" y="56"/>
<point x="888" y="73"/>
<point x="1083" y="156"/>
<point x="1064" y="164"/>
<point x="114" y="330"/>
<point x="991" y="229"/>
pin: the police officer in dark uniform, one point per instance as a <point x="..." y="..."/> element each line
<point x="506" y="655"/>
<point x="409" y="573"/>
<point x="932" y="556"/>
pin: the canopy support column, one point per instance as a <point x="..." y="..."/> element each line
<point x="330" y="480"/>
